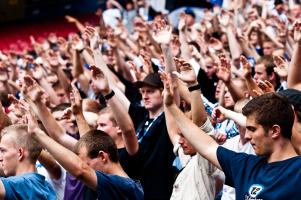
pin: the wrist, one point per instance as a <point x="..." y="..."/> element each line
<point x="195" y="87"/>
<point x="109" y="95"/>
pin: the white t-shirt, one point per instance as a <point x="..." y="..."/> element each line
<point x="58" y="185"/>
<point x="234" y="145"/>
<point x="197" y="180"/>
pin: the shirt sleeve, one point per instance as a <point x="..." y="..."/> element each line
<point x="12" y="187"/>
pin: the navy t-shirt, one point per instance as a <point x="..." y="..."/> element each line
<point x="28" y="186"/>
<point x="254" y="178"/>
<point x="116" y="187"/>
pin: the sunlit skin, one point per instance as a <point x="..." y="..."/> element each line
<point x="152" y="98"/>
<point x="68" y="124"/>
<point x="258" y="137"/>
<point x="186" y="146"/>
<point x="9" y="155"/>
<point x="106" y="125"/>
<point x="268" y="48"/>
<point x="260" y="73"/>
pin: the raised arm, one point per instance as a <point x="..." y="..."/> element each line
<point x="100" y="63"/>
<point x="120" y="113"/>
<point x="224" y="74"/>
<point x="52" y="167"/>
<point x="77" y="110"/>
<point x="294" y="78"/>
<point x="69" y="160"/>
<point x="204" y="144"/>
<point x="33" y="95"/>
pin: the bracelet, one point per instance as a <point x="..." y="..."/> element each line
<point x="195" y="87"/>
<point x="110" y="95"/>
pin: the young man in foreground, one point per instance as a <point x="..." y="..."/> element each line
<point x="269" y="123"/>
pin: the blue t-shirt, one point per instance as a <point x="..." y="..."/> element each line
<point x="254" y="178"/>
<point x="28" y="186"/>
<point x="116" y="187"/>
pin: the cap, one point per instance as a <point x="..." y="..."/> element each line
<point x="152" y="79"/>
<point x="189" y="11"/>
<point x="294" y="98"/>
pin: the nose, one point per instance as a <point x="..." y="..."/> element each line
<point x="247" y="135"/>
<point x="181" y="140"/>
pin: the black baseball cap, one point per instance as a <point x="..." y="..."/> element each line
<point x="152" y="79"/>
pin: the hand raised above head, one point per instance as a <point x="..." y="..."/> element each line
<point x="163" y="32"/>
<point x="168" y="91"/>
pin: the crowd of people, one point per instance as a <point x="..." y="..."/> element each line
<point x="136" y="108"/>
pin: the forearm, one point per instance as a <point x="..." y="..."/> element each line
<point x="69" y="160"/>
<point x="294" y="69"/>
<point x="233" y="44"/>
<point x="239" y="118"/>
<point x="199" y="115"/>
<point x="88" y="57"/>
<point x="168" y="59"/>
<point x="83" y="126"/>
<point x="50" y="165"/>
<point x="109" y="75"/>
<point x="235" y="92"/>
<point x="51" y="125"/>
<point x="126" y="125"/>
<point x="185" y="52"/>
<point x="172" y="129"/>
<point x="63" y="80"/>
<point x="204" y="144"/>
<point x="49" y="90"/>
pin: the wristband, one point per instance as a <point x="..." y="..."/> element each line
<point x="195" y="87"/>
<point x="110" y="95"/>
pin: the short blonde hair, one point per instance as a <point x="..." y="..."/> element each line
<point x="19" y="133"/>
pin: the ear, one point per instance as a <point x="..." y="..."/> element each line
<point x="276" y="131"/>
<point x="272" y="77"/>
<point x="118" y="130"/>
<point x="103" y="156"/>
<point x="21" y="154"/>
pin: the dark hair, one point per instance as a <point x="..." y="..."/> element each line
<point x="270" y="109"/>
<point x="61" y="107"/>
<point x="95" y="141"/>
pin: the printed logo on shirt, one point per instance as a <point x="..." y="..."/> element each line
<point x="255" y="190"/>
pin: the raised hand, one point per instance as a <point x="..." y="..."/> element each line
<point x="168" y="91"/>
<point x="19" y="107"/>
<point x="224" y="19"/>
<point x="220" y="138"/>
<point x="247" y="71"/>
<point x="224" y="70"/>
<point x="187" y="73"/>
<point x="76" y="100"/>
<point x="70" y="19"/>
<point x="76" y="42"/>
<point x="297" y="31"/>
<point x="37" y="72"/>
<point x="182" y="22"/>
<point x="218" y="114"/>
<point x="281" y="67"/>
<point x="99" y="81"/>
<point x="93" y="37"/>
<point x="266" y="86"/>
<point x="33" y="125"/>
<point x="163" y="32"/>
<point x="215" y="44"/>
<point x="31" y="89"/>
